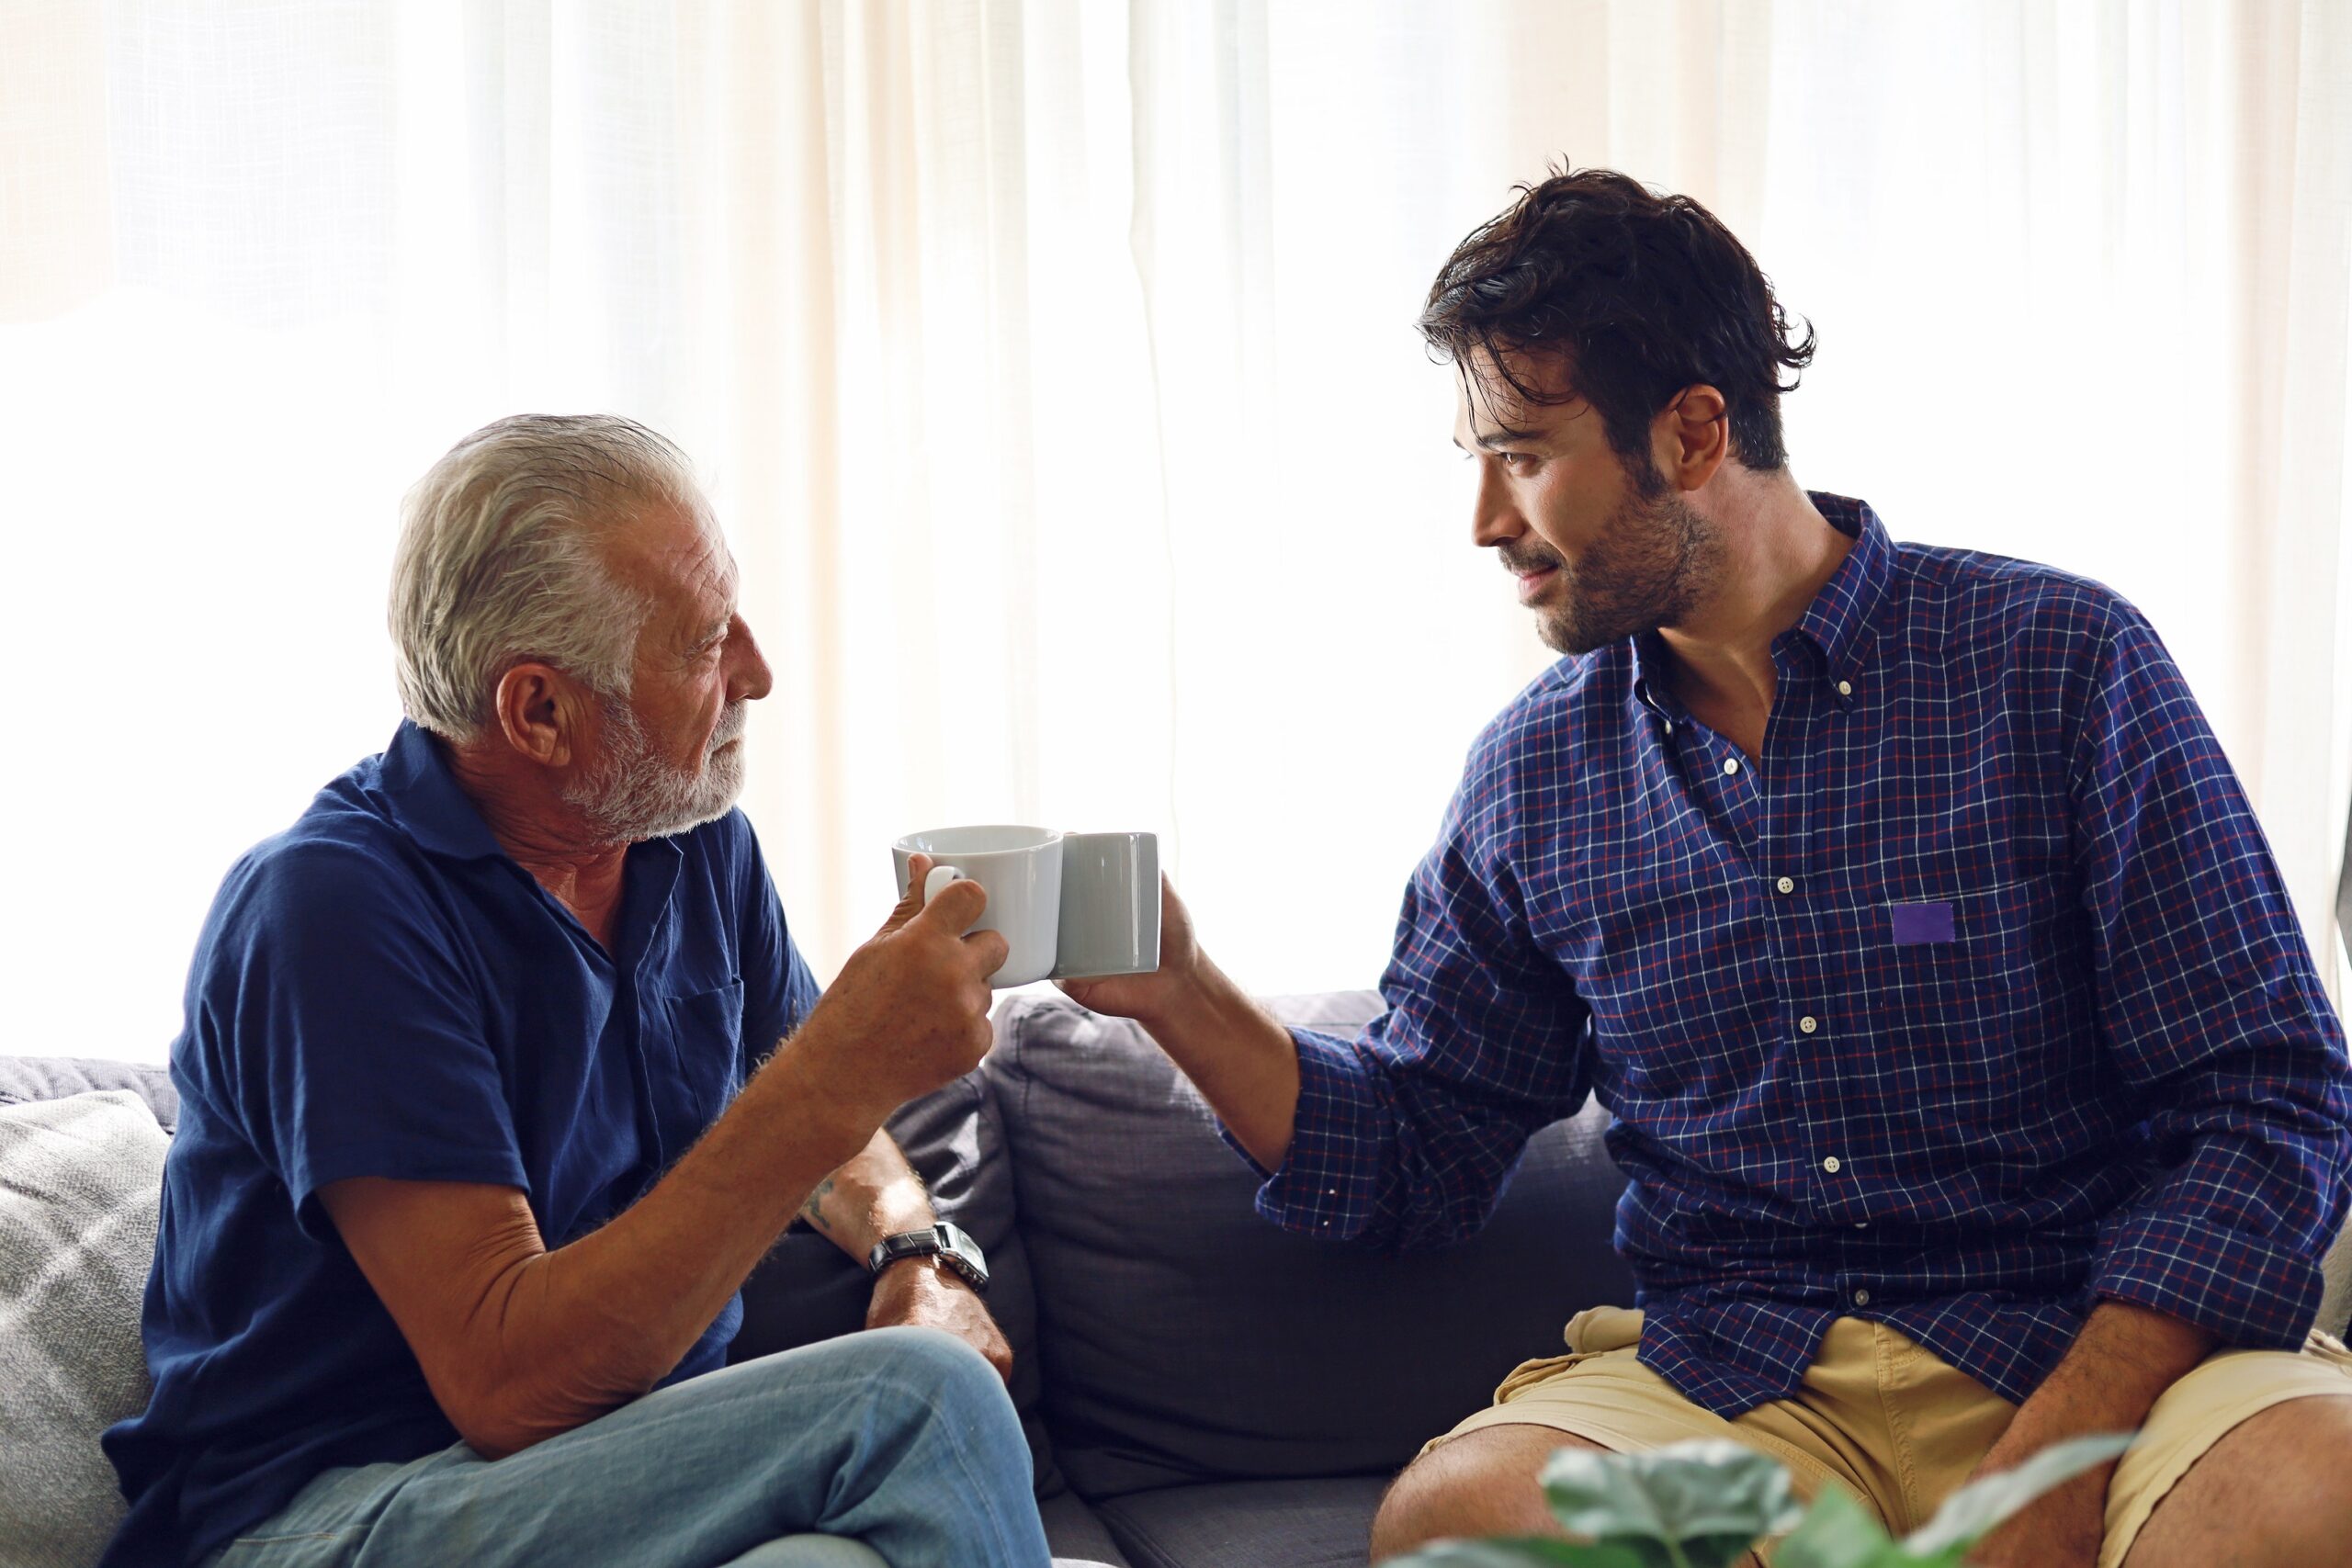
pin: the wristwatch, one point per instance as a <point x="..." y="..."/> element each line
<point x="949" y="1243"/>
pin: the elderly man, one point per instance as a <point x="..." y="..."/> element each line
<point x="1972" y="1078"/>
<point x="485" y="1117"/>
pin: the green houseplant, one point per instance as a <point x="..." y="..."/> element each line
<point x="1703" y="1505"/>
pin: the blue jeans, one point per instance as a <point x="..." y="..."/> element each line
<point x="893" y="1447"/>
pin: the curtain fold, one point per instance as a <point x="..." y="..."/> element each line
<point x="1051" y="365"/>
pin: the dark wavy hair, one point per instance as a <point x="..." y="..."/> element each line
<point x="1644" y="295"/>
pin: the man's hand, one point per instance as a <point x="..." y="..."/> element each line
<point x="1159" y="993"/>
<point x="922" y="1293"/>
<point x="2124" y="1358"/>
<point x="908" y="1011"/>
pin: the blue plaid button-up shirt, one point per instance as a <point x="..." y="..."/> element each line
<point x="1976" y="998"/>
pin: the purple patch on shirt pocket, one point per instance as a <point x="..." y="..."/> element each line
<point x="1915" y="923"/>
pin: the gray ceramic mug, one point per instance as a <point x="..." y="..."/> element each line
<point x="1069" y="906"/>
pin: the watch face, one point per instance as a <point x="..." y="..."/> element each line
<point x="963" y="1255"/>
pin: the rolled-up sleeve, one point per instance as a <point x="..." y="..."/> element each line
<point x="2210" y="1006"/>
<point x="1406" y="1135"/>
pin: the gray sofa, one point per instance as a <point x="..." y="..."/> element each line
<point x="1200" y="1389"/>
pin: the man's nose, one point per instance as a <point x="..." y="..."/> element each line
<point x="1494" y="516"/>
<point x="751" y="678"/>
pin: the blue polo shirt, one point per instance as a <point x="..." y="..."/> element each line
<point x="381" y="991"/>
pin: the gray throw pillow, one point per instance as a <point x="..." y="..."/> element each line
<point x="53" y="1077"/>
<point x="1185" y="1338"/>
<point x="79" y="1180"/>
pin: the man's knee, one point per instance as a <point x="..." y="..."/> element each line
<point x="812" y="1552"/>
<point x="929" y="1353"/>
<point x="928" y="1370"/>
<point x="915" y="1372"/>
<point x="1483" y="1483"/>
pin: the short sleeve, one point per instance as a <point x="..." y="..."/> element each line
<point x="779" y="990"/>
<point x="346" y="1031"/>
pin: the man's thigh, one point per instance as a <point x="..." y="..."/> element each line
<point x="1481" y="1478"/>
<point x="1879" y="1415"/>
<point x="1601" y="1393"/>
<point x="2220" y="1393"/>
<point x="698" y="1473"/>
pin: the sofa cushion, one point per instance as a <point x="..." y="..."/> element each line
<point x="24" y="1079"/>
<point x="1244" y="1523"/>
<point x="1182" y="1338"/>
<point x="79" y="1178"/>
<point x="806" y="1289"/>
<point x="1076" y="1534"/>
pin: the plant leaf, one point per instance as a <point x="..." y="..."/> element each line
<point x="1836" y="1532"/>
<point x="1519" y="1553"/>
<point x="1703" y="1550"/>
<point x="1694" y="1498"/>
<point x="1977" y="1510"/>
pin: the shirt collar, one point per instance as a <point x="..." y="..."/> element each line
<point x="1836" y="622"/>
<point x="1838" y="619"/>
<point x="423" y="797"/>
<point x="425" y="800"/>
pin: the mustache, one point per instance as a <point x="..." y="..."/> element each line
<point x="1518" y="557"/>
<point x="732" y="724"/>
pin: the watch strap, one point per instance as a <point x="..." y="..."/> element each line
<point x="949" y="1243"/>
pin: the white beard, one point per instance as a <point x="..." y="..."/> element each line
<point x="638" y="796"/>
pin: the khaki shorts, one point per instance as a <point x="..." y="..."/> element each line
<point x="1888" y="1420"/>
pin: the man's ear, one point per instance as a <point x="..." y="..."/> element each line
<point x="542" y="713"/>
<point x="1691" y="437"/>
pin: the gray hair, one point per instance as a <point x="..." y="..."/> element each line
<point x="501" y="561"/>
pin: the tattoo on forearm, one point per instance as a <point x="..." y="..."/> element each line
<point x="814" y="1207"/>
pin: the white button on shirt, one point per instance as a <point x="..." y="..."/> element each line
<point x="1808" y="1023"/>
<point x="1731" y="764"/>
<point x="1833" y="1165"/>
<point x="1845" y="688"/>
<point x="1787" y="885"/>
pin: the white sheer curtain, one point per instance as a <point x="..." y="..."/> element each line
<point x="1051" y="365"/>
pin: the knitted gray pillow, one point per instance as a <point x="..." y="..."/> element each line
<point x="79" y="1180"/>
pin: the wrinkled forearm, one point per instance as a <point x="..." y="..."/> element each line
<point x="567" y="1334"/>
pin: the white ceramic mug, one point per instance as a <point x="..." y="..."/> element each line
<point x="1069" y="906"/>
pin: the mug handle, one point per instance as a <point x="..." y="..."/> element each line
<point x="941" y="875"/>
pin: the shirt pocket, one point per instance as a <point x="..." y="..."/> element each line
<point x="1965" y="1029"/>
<point x="706" y="1054"/>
